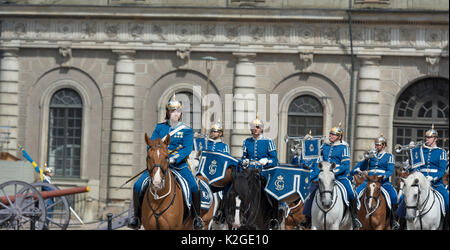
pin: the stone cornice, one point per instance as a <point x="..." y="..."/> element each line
<point x="223" y="36"/>
<point x="397" y="16"/>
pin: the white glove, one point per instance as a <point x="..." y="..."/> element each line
<point x="245" y="162"/>
<point x="263" y="161"/>
<point x="429" y="178"/>
<point x="171" y="160"/>
<point x="194" y="163"/>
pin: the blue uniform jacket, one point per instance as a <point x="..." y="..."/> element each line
<point x="259" y="149"/>
<point x="339" y="153"/>
<point x="382" y="164"/>
<point x="212" y="145"/>
<point x="183" y="140"/>
<point x="435" y="163"/>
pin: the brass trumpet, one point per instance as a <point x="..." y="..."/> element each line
<point x="399" y="148"/>
<point x="301" y="138"/>
<point x="370" y="153"/>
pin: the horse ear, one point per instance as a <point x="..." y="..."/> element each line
<point x="320" y="165"/>
<point x="147" y="139"/>
<point x="167" y="140"/>
<point x="333" y="165"/>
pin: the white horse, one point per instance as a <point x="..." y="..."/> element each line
<point x="423" y="210"/>
<point x="328" y="206"/>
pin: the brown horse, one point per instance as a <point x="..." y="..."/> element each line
<point x="374" y="210"/>
<point x="163" y="205"/>
<point x="295" y="215"/>
<point x="359" y="178"/>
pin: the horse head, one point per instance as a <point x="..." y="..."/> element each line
<point x="157" y="161"/>
<point x="246" y="185"/>
<point x="326" y="183"/>
<point x="372" y="193"/>
<point x="416" y="192"/>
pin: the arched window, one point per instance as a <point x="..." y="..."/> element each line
<point x="192" y="113"/>
<point x="64" y="137"/>
<point x="305" y="113"/>
<point x="422" y="104"/>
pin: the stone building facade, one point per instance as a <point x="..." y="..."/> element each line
<point x="82" y="81"/>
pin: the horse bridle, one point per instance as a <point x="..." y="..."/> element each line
<point x="367" y="197"/>
<point x="155" y="195"/>
<point x="416" y="207"/>
<point x="331" y="192"/>
<point x="332" y="205"/>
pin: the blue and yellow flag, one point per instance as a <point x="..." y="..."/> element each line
<point x="35" y="165"/>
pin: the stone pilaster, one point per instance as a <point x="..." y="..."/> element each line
<point x="9" y="97"/>
<point x="368" y="105"/>
<point x="244" y="103"/>
<point x="122" y="125"/>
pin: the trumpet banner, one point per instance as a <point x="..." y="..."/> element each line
<point x="311" y="149"/>
<point x="416" y="157"/>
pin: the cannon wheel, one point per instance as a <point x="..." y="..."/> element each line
<point x="26" y="212"/>
<point x="58" y="208"/>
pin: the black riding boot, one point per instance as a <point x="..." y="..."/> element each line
<point x="135" y="221"/>
<point x="306" y="223"/>
<point x="402" y="222"/>
<point x="274" y="224"/>
<point x="394" y="219"/>
<point x="446" y="222"/>
<point x="197" y="222"/>
<point x="219" y="216"/>
<point x="354" y="213"/>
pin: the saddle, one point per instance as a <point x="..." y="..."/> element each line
<point x="205" y="192"/>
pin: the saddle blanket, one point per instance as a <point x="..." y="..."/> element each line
<point x="441" y="201"/>
<point x="343" y="191"/>
<point x="213" y="165"/>
<point x="383" y="191"/>
<point x="286" y="180"/>
<point x="205" y="192"/>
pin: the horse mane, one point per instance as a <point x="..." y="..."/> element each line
<point x="246" y="184"/>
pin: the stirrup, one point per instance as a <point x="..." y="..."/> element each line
<point x="356" y="223"/>
<point x="198" y="223"/>
<point x="306" y="223"/>
<point x="219" y="217"/>
<point x="395" y="225"/>
<point x="134" y="223"/>
<point x="274" y="224"/>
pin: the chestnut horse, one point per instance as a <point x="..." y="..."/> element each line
<point x="373" y="213"/>
<point x="163" y="205"/>
<point x="294" y="215"/>
<point x="359" y="178"/>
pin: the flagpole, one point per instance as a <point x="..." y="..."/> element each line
<point x="47" y="178"/>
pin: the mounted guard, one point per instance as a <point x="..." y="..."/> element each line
<point x="181" y="144"/>
<point x="214" y="143"/>
<point x="380" y="163"/>
<point x="337" y="151"/>
<point x="259" y="152"/>
<point x="431" y="161"/>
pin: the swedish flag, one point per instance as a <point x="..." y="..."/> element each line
<point x="35" y="165"/>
